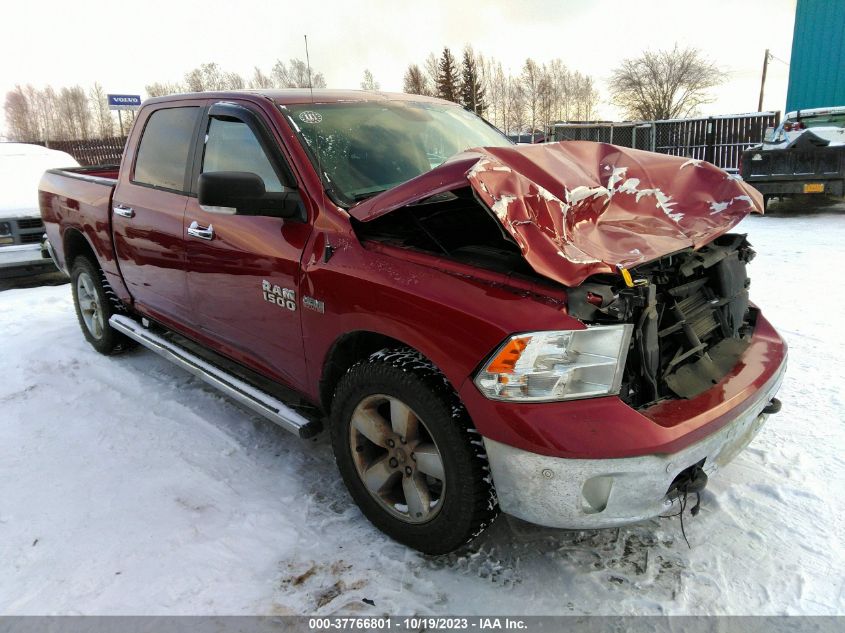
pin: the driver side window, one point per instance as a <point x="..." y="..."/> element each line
<point x="231" y="146"/>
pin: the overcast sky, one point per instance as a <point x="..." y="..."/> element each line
<point x="127" y="45"/>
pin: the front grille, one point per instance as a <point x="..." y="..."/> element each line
<point x="30" y="238"/>
<point x="32" y="223"/>
<point x="699" y="326"/>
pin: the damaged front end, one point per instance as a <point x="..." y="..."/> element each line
<point x="634" y="237"/>
<point x="691" y="314"/>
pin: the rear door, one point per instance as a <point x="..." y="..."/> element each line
<point x="148" y="209"/>
<point x="243" y="271"/>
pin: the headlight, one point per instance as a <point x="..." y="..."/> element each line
<point x="560" y="365"/>
<point x="5" y="229"/>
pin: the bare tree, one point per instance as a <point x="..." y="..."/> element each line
<point x="295" y="75"/>
<point x="233" y="81"/>
<point x="162" y="89"/>
<point x="432" y="71"/>
<point x="103" y="121"/>
<point x="546" y="100"/>
<point x="260" y="80"/>
<point x="209" y="77"/>
<point x="665" y="84"/>
<point x="75" y="117"/>
<point x="532" y="86"/>
<point x="415" y="81"/>
<point x="369" y="83"/>
<point x="204" y="78"/>
<point x="19" y="116"/>
<point x="515" y="101"/>
<point x="194" y="81"/>
<point x="585" y="96"/>
<point x="496" y="92"/>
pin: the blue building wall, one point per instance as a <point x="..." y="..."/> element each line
<point x="817" y="67"/>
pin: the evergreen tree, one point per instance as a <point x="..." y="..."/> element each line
<point x="471" y="90"/>
<point x="447" y="77"/>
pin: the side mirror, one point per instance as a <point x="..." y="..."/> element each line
<point x="769" y="136"/>
<point x="241" y="192"/>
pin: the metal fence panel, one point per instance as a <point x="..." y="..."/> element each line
<point x="719" y="140"/>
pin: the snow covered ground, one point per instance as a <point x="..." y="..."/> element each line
<point x="129" y="487"/>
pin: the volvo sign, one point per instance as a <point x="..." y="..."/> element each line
<point x="124" y="102"/>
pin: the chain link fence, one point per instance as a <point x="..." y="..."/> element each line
<point x="719" y="140"/>
<point x="635" y="135"/>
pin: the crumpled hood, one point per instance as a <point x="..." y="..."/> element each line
<point x="578" y="208"/>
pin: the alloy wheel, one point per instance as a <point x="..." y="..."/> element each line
<point x="397" y="459"/>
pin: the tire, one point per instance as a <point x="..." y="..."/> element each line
<point x="398" y="396"/>
<point x="95" y="303"/>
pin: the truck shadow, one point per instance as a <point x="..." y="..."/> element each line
<point x="803" y="206"/>
<point x="650" y="554"/>
<point x="33" y="281"/>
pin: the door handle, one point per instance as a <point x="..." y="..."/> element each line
<point x="204" y="233"/>
<point x="126" y="212"/>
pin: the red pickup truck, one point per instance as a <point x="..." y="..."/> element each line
<point x="560" y="331"/>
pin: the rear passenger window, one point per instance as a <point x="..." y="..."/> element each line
<point x="165" y="146"/>
<point x="231" y="146"/>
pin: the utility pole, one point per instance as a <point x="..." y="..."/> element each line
<point x="763" y="80"/>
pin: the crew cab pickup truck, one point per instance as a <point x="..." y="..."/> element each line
<point x="561" y="332"/>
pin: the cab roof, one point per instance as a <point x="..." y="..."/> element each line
<point x="296" y="96"/>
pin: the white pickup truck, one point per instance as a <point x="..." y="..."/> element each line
<point x="826" y="123"/>
<point x="21" y="228"/>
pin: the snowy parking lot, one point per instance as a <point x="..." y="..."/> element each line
<point x="129" y="487"/>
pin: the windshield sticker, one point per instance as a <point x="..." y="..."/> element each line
<point x="309" y="116"/>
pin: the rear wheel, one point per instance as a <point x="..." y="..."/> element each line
<point x="94" y="307"/>
<point x="408" y="454"/>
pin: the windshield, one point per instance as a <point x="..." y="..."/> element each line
<point x="368" y="147"/>
<point x="820" y="120"/>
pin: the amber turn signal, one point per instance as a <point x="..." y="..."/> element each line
<point x="505" y="361"/>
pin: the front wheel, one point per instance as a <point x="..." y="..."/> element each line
<point x="408" y="454"/>
<point x="94" y="307"/>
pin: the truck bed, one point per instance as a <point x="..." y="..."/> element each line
<point x="75" y="203"/>
<point x="95" y="173"/>
<point x="794" y="171"/>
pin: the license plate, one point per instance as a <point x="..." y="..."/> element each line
<point x="814" y="187"/>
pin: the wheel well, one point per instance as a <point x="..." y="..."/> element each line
<point x="75" y="245"/>
<point x="345" y="352"/>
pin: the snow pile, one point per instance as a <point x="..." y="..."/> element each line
<point x="130" y="487"/>
<point x="21" y="168"/>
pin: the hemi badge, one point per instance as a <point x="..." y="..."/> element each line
<point x="312" y="304"/>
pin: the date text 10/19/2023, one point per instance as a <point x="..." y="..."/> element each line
<point x="420" y="623"/>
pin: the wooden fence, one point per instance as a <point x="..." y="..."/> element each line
<point x="105" y="151"/>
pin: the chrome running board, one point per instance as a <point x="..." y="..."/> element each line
<point x="251" y="397"/>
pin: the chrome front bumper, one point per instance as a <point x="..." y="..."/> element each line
<point x="22" y="256"/>
<point x="598" y="493"/>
